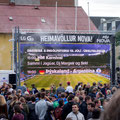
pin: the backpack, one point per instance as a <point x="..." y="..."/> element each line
<point x="58" y="112"/>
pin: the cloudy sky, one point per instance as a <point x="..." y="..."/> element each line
<point x="101" y="7"/>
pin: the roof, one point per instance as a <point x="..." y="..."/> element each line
<point x="97" y="20"/>
<point x="27" y="17"/>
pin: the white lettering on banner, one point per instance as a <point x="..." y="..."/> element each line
<point x="58" y="38"/>
<point x="54" y="71"/>
<point x="30" y="39"/>
<point x="103" y="41"/>
<point x="67" y="71"/>
<point x="85" y="39"/>
<point x="23" y="38"/>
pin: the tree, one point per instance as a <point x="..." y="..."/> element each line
<point x="117" y="37"/>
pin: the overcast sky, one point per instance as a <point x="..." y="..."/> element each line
<point x="101" y="7"/>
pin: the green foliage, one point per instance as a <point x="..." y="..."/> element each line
<point x="117" y="37"/>
<point x="118" y="57"/>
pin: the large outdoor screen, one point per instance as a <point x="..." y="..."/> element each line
<point x="46" y="64"/>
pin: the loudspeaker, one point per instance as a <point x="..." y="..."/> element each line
<point x="12" y="80"/>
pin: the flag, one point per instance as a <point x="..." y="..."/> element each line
<point x="41" y="72"/>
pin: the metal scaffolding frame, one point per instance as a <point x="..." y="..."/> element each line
<point x="16" y="49"/>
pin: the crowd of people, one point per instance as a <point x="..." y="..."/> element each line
<point x="84" y="102"/>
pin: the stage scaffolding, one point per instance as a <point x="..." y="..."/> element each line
<point x="16" y="48"/>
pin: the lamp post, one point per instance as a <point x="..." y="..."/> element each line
<point x="88" y="18"/>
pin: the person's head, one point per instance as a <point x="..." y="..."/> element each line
<point x="62" y="95"/>
<point x="19" y="91"/>
<point x="33" y="98"/>
<point x="105" y="102"/>
<point x="17" y="109"/>
<point x="22" y="100"/>
<point x="94" y="90"/>
<point x="43" y="90"/>
<point x="97" y="103"/>
<point x="42" y="95"/>
<point x="20" y="104"/>
<point x="61" y="102"/>
<point x="75" y="108"/>
<point x="96" y="114"/>
<point x="76" y="99"/>
<point x="112" y="109"/>
<point x="14" y="92"/>
<point x="99" y="95"/>
<point x="94" y="83"/>
<point x="33" y="85"/>
<point x="25" y="84"/>
<point x="9" y="85"/>
<point x="108" y="92"/>
<point x="15" y="98"/>
<point x="80" y="99"/>
<point x="88" y="99"/>
<point x="28" y="98"/>
<point x="70" y="98"/>
<point x="50" y="109"/>
<point x="68" y="83"/>
<point x="114" y="89"/>
<point x="2" y="100"/>
<point x="60" y="84"/>
<point x="10" y="97"/>
<point x="91" y="106"/>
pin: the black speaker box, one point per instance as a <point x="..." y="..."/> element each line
<point x="12" y="80"/>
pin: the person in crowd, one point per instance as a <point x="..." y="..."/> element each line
<point x="24" y="88"/>
<point x="75" y="114"/>
<point x="13" y="102"/>
<point x="84" y="104"/>
<point x="96" y="115"/>
<point x="109" y="94"/>
<point x="59" y="110"/>
<point x="19" y="93"/>
<point x="80" y="103"/>
<point x="32" y="115"/>
<point x="22" y="110"/>
<point x="14" y="92"/>
<point x="114" y="89"/>
<point x="93" y="86"/>
<point x="99" y="95"/>
<point x="9" y="100"/>
<point x="25" y="106"/>
<point x="63" y="96"/>
<point x="87" y="88"/>
<point x="103" y="90"/>
<point x="53" y="89"/>
<point x="3" y="107"/>
<point x="3" y="87"/>
<point x="17" y="113"/>
<point x="97" y="104"/>
<point x="93" y="93"/>
<point x="62" y="102"/>
<point x="10" y="89"/>
<point x="90" y="107"/>
<point x="76" y="99"/>
<point x="42" y="106"/>
<point x="76" y="87"/>
<point x="50" y="114"/>
<point x="105" y="103"/>
<point x="67" y="108"/>
<point x="34" y="89"/>
<point x="69" y="88"/>
<point x="112" y="109"/>
<point x="60" y="89"/>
